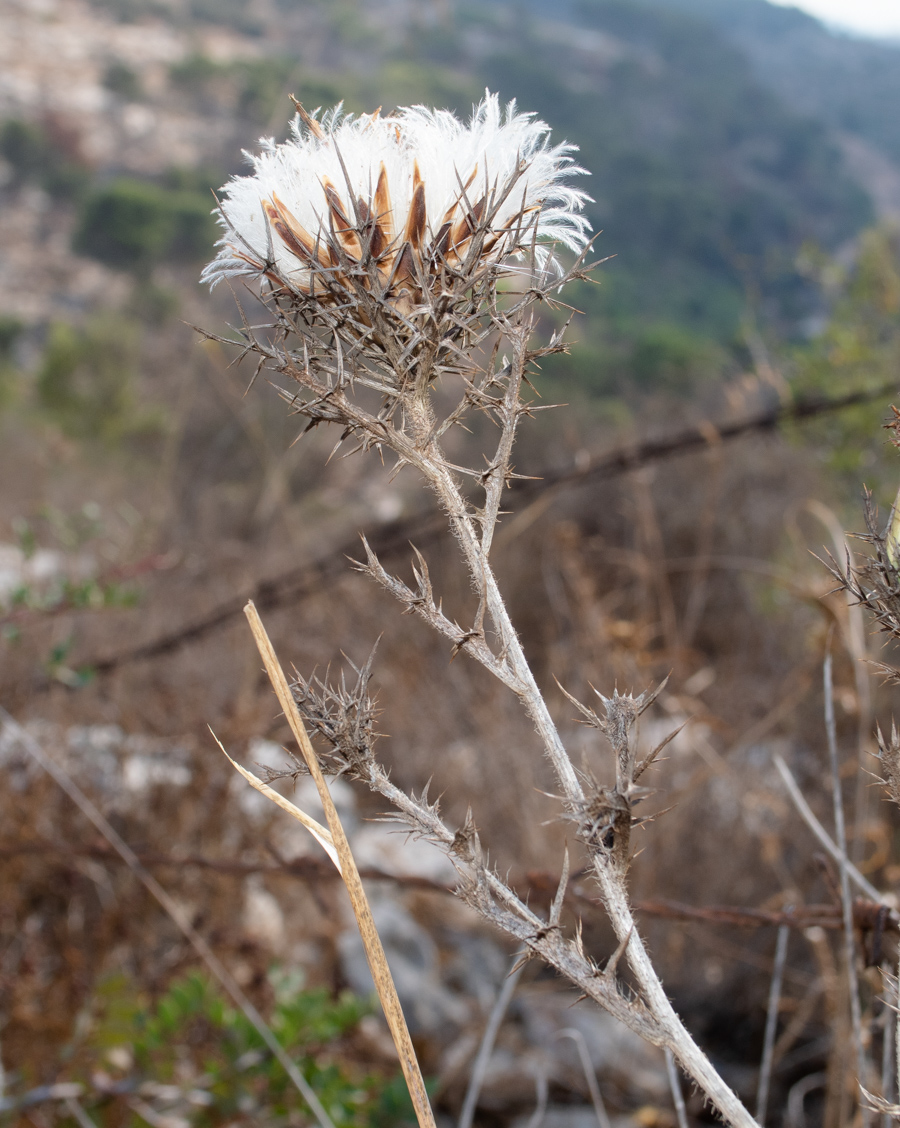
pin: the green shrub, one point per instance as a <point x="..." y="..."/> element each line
<point x="36" y="158"/>
<point x="193" y="73"/>
<point x="858" y="348"/>
<point x="153" y="304"/>
<point x="130" y="11"/>
<point x="122" y="80"/>
<point x="669" y="358"/>
<point x="192" y="1038"/>
<point x="262" y="86"/>
<point x="232" y="13"/>
<point x="86" y="379"/>
<point x="134" y="225"/>
<point x="10" y="331"/>
<point x="252" y="88"/>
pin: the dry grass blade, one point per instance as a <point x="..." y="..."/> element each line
<point x="321" y="834"/>
<point x="78" y="1114"/>
<point x="590" y="1076"/>
<point x="381" y="974"/>
<point x="887" y="1040"/>
<point x="200" y="946"/>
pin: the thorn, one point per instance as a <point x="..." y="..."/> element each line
<point x="520" y="962"/>
<point x="613" y="962"/>
<point x="646" y="699"/>
<point x="592" y="718"/>
<point x="462" y="640"/>
<point x="648" y="760"/>
<point x="556" y="907"/>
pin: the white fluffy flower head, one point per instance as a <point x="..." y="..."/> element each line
<point x="403" y="197"/>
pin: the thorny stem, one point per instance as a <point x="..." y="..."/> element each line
<point x="612" y="885"/>
<point x="675" y="1034"/>
<point x="897" y="1030"/>
<point x="659" y="1022"/>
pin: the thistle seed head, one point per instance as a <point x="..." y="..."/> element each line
<point x="398" y="199"/>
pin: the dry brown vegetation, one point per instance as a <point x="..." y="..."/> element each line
<point x="696" y="566"/>
<point x="690" y="561"/>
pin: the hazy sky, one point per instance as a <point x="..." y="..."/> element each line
<point x="869" y="17"/>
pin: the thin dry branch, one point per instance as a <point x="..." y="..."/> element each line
<point x="846" y="901"/>
<point x="806" y="813"/>
<point x="488" y="1038"/>
<point x="768" y="1057"/>
<point x="378" y="965"/>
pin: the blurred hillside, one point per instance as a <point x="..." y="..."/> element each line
<point x="724" y="137"/>
<point x="745" y="169"/>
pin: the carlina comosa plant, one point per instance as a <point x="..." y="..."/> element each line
<point x="394" y="254"/>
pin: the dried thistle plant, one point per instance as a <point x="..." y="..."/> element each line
<point x="873" y="581"/>
<point x="395" y="254"/>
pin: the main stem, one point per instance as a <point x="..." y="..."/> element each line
<point x="612" y="886"/>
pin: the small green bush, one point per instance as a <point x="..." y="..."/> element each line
<point x="193" y="1039"/>
<point x="86" y="379"/>
<point x="134" y="225"/>
<point x="193" y="73"/>
<point x="122" y="80"/>
<point x="10" y="330"/>
<point x="858" y="348"/>
<point x="669" y="358"/>
<point x="231" y="13"/>
<point x="36" y="158"/>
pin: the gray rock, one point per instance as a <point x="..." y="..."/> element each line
<point x="414" y="962"/>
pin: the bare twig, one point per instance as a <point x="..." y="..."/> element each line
<point x="768" y="1056"/>
<point x="486" y="1047"/>
<point x="542" y="1091"/>
<point x="78" y="1114"/>
<point x="846" y="901"/>
<point x="796" y="1115"/>
<point x="590" y="1076"/>
<point x="888" y="1066"/>
<point x="806" y="813"/>
<point x="675" y="1086"/>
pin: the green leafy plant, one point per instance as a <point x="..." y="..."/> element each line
<point x="122" y="80"/>
<point x="36" y="157"/>
<point x="10" y="330"/>
<point x="192" y="1055"/>
<point x="134" y="225"/>
<point x="858" y="348"/>
<point x="86" y="381"/>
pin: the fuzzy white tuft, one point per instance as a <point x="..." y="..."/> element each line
<point x="417" y="177"/>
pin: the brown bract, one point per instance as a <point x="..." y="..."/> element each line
<point x="394" y="254"/>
